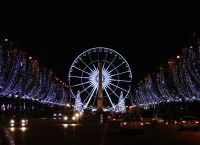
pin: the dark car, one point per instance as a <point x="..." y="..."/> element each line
<point x="71" y="118"/>
<point x="18" y="119"/>
<point x="149" y="119"/>
<point x="162" y="119"/>
<point x="131" y="124"/>
<point x="115" y="119"/>
<point x="57" y="115"/>
<point x="189" y="122"/>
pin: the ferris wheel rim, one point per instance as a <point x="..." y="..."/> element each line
<point x="99" y="49"/>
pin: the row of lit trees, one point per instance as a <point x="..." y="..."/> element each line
<point x="177" y="82"/>
<point x="22" y="76"/>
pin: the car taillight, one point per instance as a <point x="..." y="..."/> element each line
<point x="183" y="121"/>
<point x="124" y="123"/>
<point x="154" y="119"/>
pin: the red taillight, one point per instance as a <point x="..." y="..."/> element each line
<point x="154" y="119"/>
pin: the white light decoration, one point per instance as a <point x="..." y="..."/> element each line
<point x="121" y="105"/>
<point x="78" y="106"/>
<point x="84" y="74"/>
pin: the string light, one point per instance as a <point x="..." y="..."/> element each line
<point x="23" y="76"/>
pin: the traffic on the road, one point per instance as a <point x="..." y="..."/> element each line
<point x="78" y="128"/>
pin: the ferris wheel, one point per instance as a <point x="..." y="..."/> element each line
<point x="83" y="77"/>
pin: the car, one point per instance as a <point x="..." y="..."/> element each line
<point x="189" y="122"/>
<point x="131" y="124"/>
<point x="161" y="119"/>
<point x="115" y="119"/>
<point x="57" y="115"/>
<point x="149" y="119"/>
<point x="18" y="119"/>
<point x="71" y="118"/>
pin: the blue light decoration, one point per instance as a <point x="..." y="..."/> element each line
<point x="185" y="75"/>
<point x="22" y="77"/>
<point x="180" y="83"/>
<point x="161" y="82"/>
<point x="146" y="94"/>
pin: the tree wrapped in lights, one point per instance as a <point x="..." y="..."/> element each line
<point x="2" y="71"/>
<point x="24" y="77"/>
<point x="145" y="94"/>
<point x="186" y="75"/>
<point x="163" y="87"/>
<point x="78" y="105"/>
<point x="121" y="105"/>
<point x="181" y="83"/>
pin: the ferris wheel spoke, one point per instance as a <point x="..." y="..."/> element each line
<point x="111" y="63"/>
<point x="91" y="61"/>
<point x="86" y="65"/>
<point x="105" y="60"/>
<point x="94" y="87"/>
<point x="120" y="73"/>
<point x="109" y="98"/>
<point x="79" y="77"/>
<point x="85" y="89"/>
<point x="80" y="84"/>
<point x="113" y="91"/>
<point x="120" y="80"/>
<point x="119" y="87"/>
<point x="82" y="70"/>
<point x="92" y="92"/>
<point x="116" y="67"/>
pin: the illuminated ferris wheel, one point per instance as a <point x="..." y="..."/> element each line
<point x="84" y="75"/>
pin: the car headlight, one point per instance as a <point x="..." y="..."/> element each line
<point x="77" y="115"/>
<point x="23" y="121"/>
<point x="65" y="118"/>
<point x="12" y="121"/>
<point x="73" y="118"/>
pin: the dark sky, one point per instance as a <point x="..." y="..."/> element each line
<point x="146" y="34"/>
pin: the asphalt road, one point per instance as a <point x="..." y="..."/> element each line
<point x="90" y="132"/>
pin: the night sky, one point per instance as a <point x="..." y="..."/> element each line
<point x="146" y="34"/>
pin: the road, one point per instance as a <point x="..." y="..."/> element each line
<point x="88" y="132"/>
